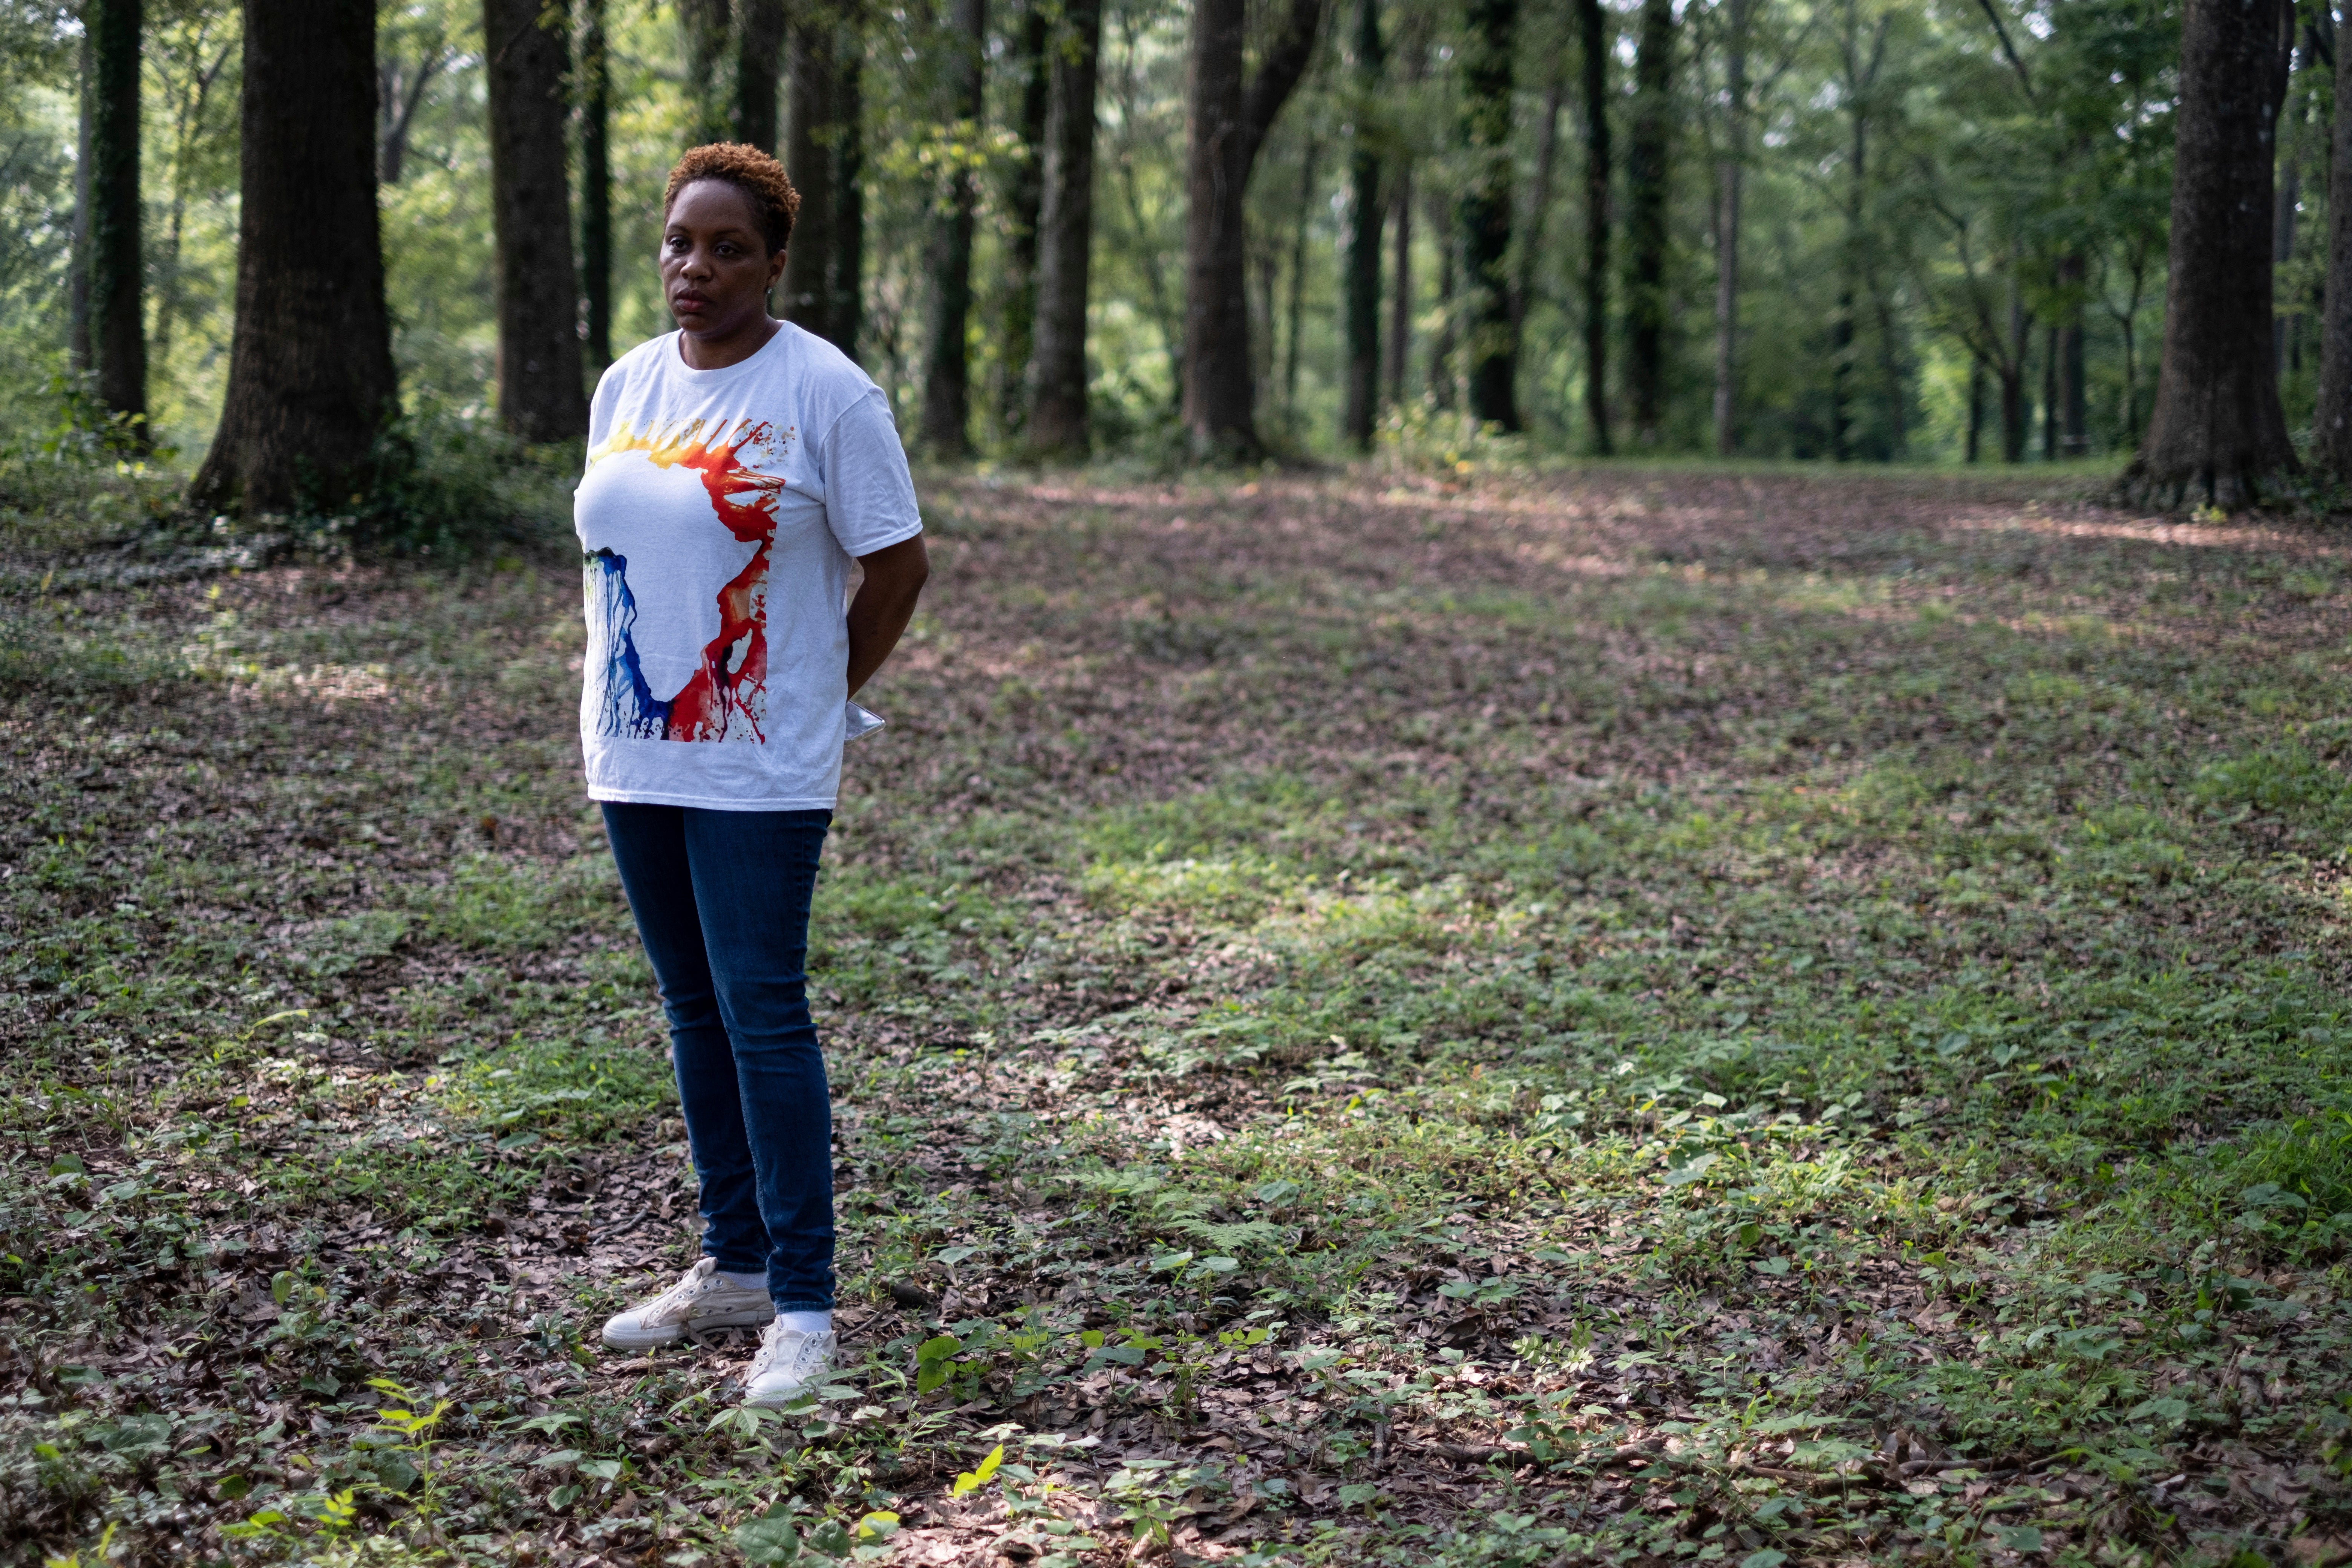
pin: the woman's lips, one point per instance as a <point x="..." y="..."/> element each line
<point x="689" y="303"/>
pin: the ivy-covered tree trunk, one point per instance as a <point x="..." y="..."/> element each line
<point x="1057" y="366"/>
<point x="2217" y="436"/>
<point x="525" y="48"/>
<point x="310" y="379"/>
<point x="810" y="134"/>
<point x="117" y="257"/>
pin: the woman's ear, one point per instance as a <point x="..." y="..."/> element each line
<point x="776" y="267"/>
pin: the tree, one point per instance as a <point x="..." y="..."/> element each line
<point x="400" y="88"/>
<point x="2331" y="422"/>
<point x="758" y="56"/>
<point x="1364" y="214"/>
<point x="706" y="26"/>
<point x="2217" y="433"/>
<point x="596" y="183"/>
<point x="1483" y="212"/>
<point x="947" y="373"/>
<point x="1231" y="114"/>
<point x="540" y="394"/>
<point x="1025" y="196"/>
<point x="1057" y="366"/>
<point x="1592" y="27"/>
<point x="310" y="380"/>
<point x="814" y="137"/>
<point x="1646" y="221"/>
<point x="1731" y="170"/>
<point x="847" y="264"/>
<point x="117" y="260"/>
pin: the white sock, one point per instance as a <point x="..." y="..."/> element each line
<point x="744" y="1281"/>
<point x="806" y="1322"/>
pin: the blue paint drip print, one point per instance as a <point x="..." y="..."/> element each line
<point x="630" y="707"/>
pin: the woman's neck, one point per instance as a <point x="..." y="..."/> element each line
<point x="717" y="350"/>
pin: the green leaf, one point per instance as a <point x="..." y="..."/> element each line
<point x="769" y="1540"/>
<point x="1690" y="1173"/>
<point x="2018" y="1537"/>
<point x="1768" y="1558"/>
<point x="560" y="1457"/>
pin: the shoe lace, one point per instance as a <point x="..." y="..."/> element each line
<point x="796" y="1352"/>
<point x="693" y="1283"/>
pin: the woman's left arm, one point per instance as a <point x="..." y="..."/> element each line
<point x="884" y="604"/>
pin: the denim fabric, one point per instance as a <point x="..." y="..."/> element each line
<point x="721" y="900"/>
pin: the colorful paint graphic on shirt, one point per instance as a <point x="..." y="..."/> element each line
<point x="726" y="697"/>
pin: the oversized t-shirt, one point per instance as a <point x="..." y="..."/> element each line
<point x="717" y="517"/>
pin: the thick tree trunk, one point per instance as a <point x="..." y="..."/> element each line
<point x="706" y="26"/>
<point x="2217" y="435"/>
<point x="310" y="380"/>
<point x="1443" y="391"/>
<point x="1065" y="226"/>
<point x="848" y="271"/>
<point x="1025" y="199"/>
<point x="1842" y="377"/>
<point x="2016" y="418"/>
<point x="1729" y="170"/>
<point x="117" y="260"/>
<point x="1364" y="214"/>
<point x="540" y="395"/>
<point x="2050" y="394"/>
<point x="947" y="379"/>
<point x="806" y="287"/>
<point x="596" y="184"/>
<point x="2331" y="420"/>
<point x="1414" y="40"/>
<point x="1483" y="212"/>
<point x="1976" y="408"/>
<point x="1531" y="239"/>
<point x="2074" y="401"/>
<point x="1230" y="118"/>
<point x="1592" y="27"/>
<point x="759" y="61"/>
<point x="1645" y="222"/>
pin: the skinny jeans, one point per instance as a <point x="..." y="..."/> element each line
<point x="721" y="901"/>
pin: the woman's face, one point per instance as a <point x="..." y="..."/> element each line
<point x="716" y="266"/>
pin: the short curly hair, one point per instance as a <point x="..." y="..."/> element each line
<point x="760" y="178"/>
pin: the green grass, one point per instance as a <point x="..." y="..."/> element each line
<point x="1623" y="1015"/>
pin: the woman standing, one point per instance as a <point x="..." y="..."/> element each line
<point x="735" y="468"/>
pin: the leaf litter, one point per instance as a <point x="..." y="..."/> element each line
<point x="1615" y="1017"/>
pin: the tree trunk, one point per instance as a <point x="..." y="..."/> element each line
<point x="1024" y="200"/>
<point x="806" y="286"/>
<point x="116" y="324"/>
<point x="2217" y="434"/>
<point x="1364" y="214"/>
<point x="1645" y="222"/>
<point x="2016" y="418"/>
<point x="1592" y="26"/>
<point x="1297" y="303"/>
<point x="1729" y="170"/>
<point x="947" y="385"/>
<point x="1523" y="279"/>
<point x="847" y="273"/>
<point x="78" y="348"/>
<point x="759" y="60"/>
<point x="1057" y="366"/>
<point x="1842" y="376"/>
<point x="2074" y="401"/>
<point x="2050" y="394"/>
<point x="310" y="380"/>
<point x="706" y="25"/>
<point x="1414" y="39"/>
<point x="596" y="184"/>
<point x="1442" y="393"/>
<point x="540" y="397"/>
<point x="399" y="94"/>
<point x="1230" y="118"/>
<point x="1976" y="408"/>
<point x="2331" y="420"/>
<point x="1483" y="212"/>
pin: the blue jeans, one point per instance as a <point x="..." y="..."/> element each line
<point x="721" y="900"/>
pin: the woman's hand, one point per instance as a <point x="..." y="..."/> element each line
<point x="884" y="604"/>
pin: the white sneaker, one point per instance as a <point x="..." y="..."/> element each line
<point x="788" y="1361"/>
<point x="702" y="1298"/>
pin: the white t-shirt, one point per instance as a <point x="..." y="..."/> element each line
<point x="718" y="514"/>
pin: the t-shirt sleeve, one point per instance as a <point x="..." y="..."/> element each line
<point x="869" y="495"/>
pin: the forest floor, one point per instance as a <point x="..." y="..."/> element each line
<point x="1616" y="1016"/>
